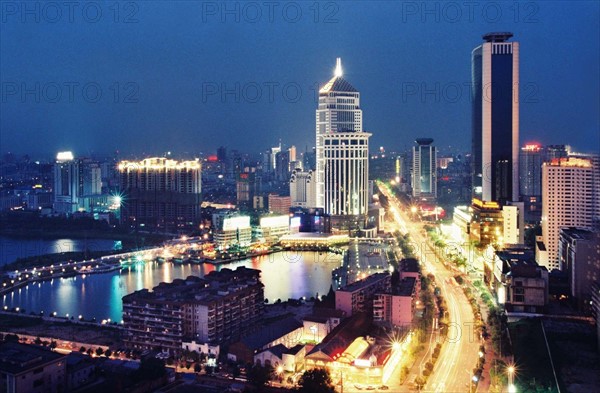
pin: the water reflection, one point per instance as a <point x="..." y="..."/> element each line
<point x="285" y="275"/>
<point x="11" y="248"/>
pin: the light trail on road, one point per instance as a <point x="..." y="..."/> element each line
<point x="461" y="349"/>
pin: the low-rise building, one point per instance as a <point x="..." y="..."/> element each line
<point x="288" y="332"/>
<point x="359" y="295"/>
<point x="397" y="307"/>
<point x="289" y="359"/>
<point x="272" y="228"/>
<point x="31" y="369"/>
<point x="231" y="229"/>
<point x="520" y="283"/>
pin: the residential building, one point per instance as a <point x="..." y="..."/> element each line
<point x="579" y="256"/>
<point x="397" y="306"/>
<point x="358" y="296"/>
<point x="567" y="195"/>
<point x="521" y="285"/>
<point x="31" y="369"/>
<point x="160" y="193"/>
<point x="215" y="309"/>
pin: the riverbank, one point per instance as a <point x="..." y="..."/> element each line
<point x="30" y="225"/>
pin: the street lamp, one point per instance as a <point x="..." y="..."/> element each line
<point x="511" y="382"/>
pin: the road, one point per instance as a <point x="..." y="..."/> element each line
<point x="460" y="352"/>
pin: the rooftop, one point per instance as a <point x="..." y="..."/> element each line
<point x="497" y="36"/>
<point x="405" y="287"/>
<point x="18" y="358"/>
<point x="271" y="332"/>
<point x="579" y="233"/>
<point x="365" y="282"/>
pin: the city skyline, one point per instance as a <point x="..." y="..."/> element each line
<point x="167" y="86"/>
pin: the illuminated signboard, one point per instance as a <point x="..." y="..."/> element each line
<point x="276" y="221"/>
<point x="239" y="222"/>
<point x="485" y="205"/>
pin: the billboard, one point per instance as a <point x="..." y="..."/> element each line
<point x="238" y="222"/>
<point x="275" y="221"/>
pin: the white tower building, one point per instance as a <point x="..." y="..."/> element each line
<point x="342" y="149"/>
<point x="567" y="201"/>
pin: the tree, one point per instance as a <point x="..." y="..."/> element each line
<point x="108" y="353"/>
<point x="316" y="380"/>
<point x="259" y="375"/>
<point x="82" y="350"/>
<point x="99" y="351"/>
<point x="150" y="369"/>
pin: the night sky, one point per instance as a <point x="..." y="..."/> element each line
<point x="147" y="77"/>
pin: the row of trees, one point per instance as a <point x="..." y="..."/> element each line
<point x="316" y="380"/>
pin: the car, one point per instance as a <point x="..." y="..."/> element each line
<point x="358" y="386"/>
<point x="384" y="387"/>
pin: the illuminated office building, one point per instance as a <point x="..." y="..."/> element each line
<point x="342" y="174"/>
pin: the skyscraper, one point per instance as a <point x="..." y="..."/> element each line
<point x="567" y="196"/>
<point x="530" y="180"/>
<point x="424" y="177"/>
<point x="74" y="180"/>
<point x="495" y="118"/>
<point x="342" y="150"/>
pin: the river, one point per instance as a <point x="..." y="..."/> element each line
<point x="284" y="274"/>
<point x="13" y="248"/>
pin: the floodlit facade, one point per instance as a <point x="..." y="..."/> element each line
<point x="160" y="193"/>
<point x="302" y="188"/>
<point x="567" y="192"/>
<point x="231" y="229"/>
<point x="342" y="150"/>
<point x="74" y="180"/>
<point x="495" y="119"/>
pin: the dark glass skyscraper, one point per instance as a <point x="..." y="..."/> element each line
<point x="495" y="118"/>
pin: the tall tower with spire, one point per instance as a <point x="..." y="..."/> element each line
<point x="342" y="150"/>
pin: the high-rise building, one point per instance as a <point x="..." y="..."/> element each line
<point x="595" y="160"/>
<point x="214" y="309"/>
<point x="530" y="180"/>
<point x="342" y="150"/>
<point x="579" y="256"/>
<point x="160" y="193"/>
<point x="495" y="118"/>
<point x="75" y="179"/>
<point x="557" y="151"/>
<point x="302" y="189"/>
<point x="567" y="196"/>
<point x="424" y="175"/>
